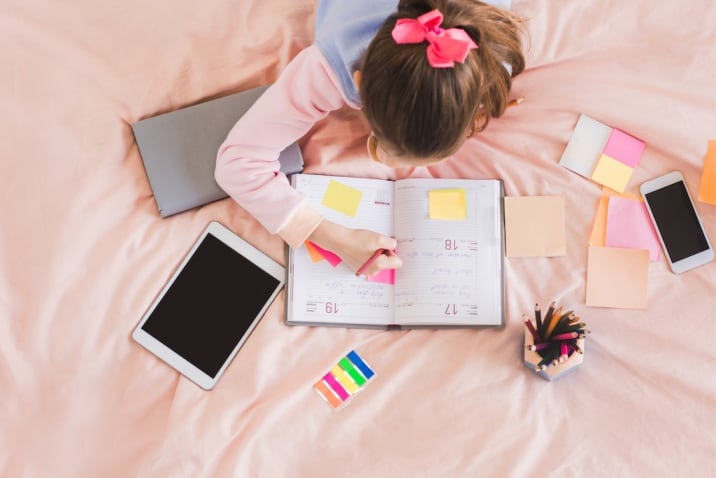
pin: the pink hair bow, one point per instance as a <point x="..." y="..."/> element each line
<point x="445" y="46"/>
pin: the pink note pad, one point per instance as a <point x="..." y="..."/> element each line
<point x="386" y="276"/>
<point x="629" y="226"/>
<point x="332" y="258"/>
<point x="624" y="148"/>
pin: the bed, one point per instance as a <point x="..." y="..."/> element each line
<point x="83" y="252"/>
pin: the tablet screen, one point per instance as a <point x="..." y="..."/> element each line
<point x="210" y="305"/>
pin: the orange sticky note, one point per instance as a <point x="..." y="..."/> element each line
<point x="342" y="198"/>
<point x="707" y="191"/>
<point x="599" y="230"/>
<point x="315" y="255"/>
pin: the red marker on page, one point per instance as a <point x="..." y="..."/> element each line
<point x="371" y="259"/>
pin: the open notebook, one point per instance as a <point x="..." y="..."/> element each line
<point x="450" y="238"/>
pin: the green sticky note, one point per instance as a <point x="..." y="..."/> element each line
<point x="447" y="204"/>
<point x="346" y="365"/>
<point x="342" y="198"/>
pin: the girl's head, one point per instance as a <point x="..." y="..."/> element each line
<point x="420" y="113"/>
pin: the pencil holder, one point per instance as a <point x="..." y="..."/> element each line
<point x="554" y="345"/>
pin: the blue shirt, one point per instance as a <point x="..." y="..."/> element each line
<point x="345" y="28"/>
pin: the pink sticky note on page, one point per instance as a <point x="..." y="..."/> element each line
<point x="386" y="276"/>
<point x="332" y="258"/>
<point x="629" y="227"/>
<point x="624" y="148"/>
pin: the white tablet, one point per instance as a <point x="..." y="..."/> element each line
<point x="210" y="305"/>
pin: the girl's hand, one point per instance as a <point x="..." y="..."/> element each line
<point x="356" y="246"/>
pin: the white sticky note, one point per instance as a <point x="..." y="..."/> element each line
<point x="585" y="146"/>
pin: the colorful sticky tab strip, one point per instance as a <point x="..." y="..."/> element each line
<point x="601" y="153"/>
<point x="348" y="377"/>
<point x="342" y="198"/>
<point x="447" y="204"/>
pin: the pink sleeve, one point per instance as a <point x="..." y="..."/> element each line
<point x="247" y="166"/>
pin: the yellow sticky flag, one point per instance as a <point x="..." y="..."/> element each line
<point x="342" y="198"/>
<point x="707" y="191"/>
<point x="447" y="204"/>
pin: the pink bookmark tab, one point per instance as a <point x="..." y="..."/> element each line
<point x="386" y="276"/>
<point x="332" y="258"/>
<point x="337" y="387"/>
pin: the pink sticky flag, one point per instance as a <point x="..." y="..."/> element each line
<point x="332" y="258"/>
<point x="386" y="276"/>
<point x="629" y="227"/>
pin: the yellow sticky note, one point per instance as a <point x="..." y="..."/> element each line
<point x="342" y="198"/>
<point x="447" y="204"/>
<point x="599" y="230"/>
<point x="612" y="173"/>
<point x="617" y="277"/>
<point x="535" y="226"/>
<point x="707" y="191"/>
<point x="315" y="255"/>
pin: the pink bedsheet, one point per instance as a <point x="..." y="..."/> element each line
<point x="83" y="252"/>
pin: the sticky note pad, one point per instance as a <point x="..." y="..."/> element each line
<point x="624" y="148"/>
<point x="612" y="174"/>
<point x="707" y="189"/>
<point x="617" y="277"/>
<point x="342" y="198"/>
<point x="344" y="380"/>
<point x="585" y="146"/>
<point x="629" y="226"/>
<point x="599" y="229"/>
<point x="535" y="226"/>
<point x="447" y="204"/>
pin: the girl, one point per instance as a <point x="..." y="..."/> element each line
<point x="427" y="76"/>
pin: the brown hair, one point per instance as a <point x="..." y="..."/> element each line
<point x="424" y="111"/>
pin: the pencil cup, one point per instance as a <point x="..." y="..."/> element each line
<point x="551" y="372"/>
<point x="554" y="346"/>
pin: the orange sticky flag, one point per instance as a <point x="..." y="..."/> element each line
<point x="707" y="191"/>
<point x="315" y="255"/>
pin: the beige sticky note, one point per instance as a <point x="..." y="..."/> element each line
<point x="612" y="173"/>
<point x="599" y="229"/>
<point x="707" y="190"/>
<point x="342" y="198"/>
<point x="534" y="226"/>
<point x="617" y="277"/>
<point x="447" y="204"/>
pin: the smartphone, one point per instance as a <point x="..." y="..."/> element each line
<point x="674" y="216"/>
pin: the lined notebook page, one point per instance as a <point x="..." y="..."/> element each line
<point x="323" y="294"/>
<point x="451" y="272"/>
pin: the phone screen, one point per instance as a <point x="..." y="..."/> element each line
<point x="677" y="222"/>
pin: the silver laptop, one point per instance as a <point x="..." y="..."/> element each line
<point x="179" y="150"/>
